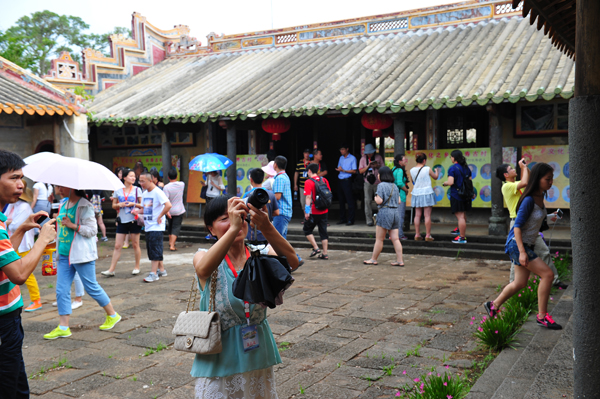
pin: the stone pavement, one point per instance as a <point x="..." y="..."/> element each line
<point x="342" y="322"/>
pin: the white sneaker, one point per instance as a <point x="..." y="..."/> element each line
<point x="55" y="304"/>
<point x="162" y="274"/>
<point x="76" y="305"/>
<point x="151" y="278"/>
<point x="135" y="272"/>
<point x="106" y="273"/>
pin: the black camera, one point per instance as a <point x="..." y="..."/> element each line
<point x="258" y="198"/>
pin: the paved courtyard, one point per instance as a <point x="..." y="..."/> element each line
<point x="341" y="324"/>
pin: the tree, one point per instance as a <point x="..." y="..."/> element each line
<point x="101" y="42"/>
<point x="36" y="39"/>
<point x="43" y="34"/>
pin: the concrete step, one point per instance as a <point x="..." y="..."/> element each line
<point x="542" y="355"/>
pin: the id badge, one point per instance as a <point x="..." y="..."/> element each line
<point x="250" y="338"/>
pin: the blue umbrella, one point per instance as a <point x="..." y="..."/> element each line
<point x="210" y="162"/>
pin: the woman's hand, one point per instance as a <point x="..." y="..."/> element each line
<point x="523" y="259"/>
<point x="238" y="211"/>
<point x="67" y="223"/>
<point x="259" y="218"/>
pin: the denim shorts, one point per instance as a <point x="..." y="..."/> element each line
<point x="513" y="251"/>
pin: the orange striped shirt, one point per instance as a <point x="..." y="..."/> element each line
<point x="10" y="294"/>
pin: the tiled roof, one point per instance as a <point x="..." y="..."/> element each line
<point x="23" y="92"/>
<point x="490" y="61"/>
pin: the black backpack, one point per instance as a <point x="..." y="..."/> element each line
<point x="465" y="191"/>
<point x="323" y="196"/>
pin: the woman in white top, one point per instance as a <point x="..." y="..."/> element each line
<point x="423" y="196"/>
<point x="124" y="201"/>
<point x="214" y="181"/>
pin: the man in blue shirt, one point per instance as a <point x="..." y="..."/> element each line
<point x="283" y="192"/>
<point x="346" y="168"/>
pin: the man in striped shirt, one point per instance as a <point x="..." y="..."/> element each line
<point x="13" y="272"/>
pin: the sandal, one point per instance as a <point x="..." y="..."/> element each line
<point x="323" y="256"/>
<point x="369" y="262"/>
<point x="315" y="252"/>
<point x="397" y="264"/>
<point x="172" y="249"/>
<point x="418" y="238"/>
<point x="429" y="238"/>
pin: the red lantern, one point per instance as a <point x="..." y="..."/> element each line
<point x="276" y="127"/>
<point x="376" y="122"/>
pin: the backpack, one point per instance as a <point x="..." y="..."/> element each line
<point x="465" y="191"/>
<point x="323" y="196"/>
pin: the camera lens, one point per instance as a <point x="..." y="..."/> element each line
<point x="258" y="198"/>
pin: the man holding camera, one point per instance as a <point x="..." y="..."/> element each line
<point x="13" y="272"/>
<point x="369" y="167"/>
<point x="511" y="191"/>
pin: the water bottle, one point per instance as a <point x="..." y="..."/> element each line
<point x="295" y="195"/>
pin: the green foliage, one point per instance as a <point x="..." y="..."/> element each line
<point x="528" y="295"/>
<point x="301" y="389"/>
<point x="36" y="38"/>
<point x="158" y="348"/>
<point x="61" y="363"/>
<point x="495" y="333"/>
<point x="414" y="352"/>
<point x="563" y="265"/>
<point x="388" y="369"/>
<point x="284" y="346"/>
<point x="477" y="369"/>
<point x="80" y="91"/>
<point x="436" y="386"/>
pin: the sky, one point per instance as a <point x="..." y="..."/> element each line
<point x="203" y="17"/>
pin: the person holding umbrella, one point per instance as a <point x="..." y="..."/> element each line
<point x="77" y="252"/>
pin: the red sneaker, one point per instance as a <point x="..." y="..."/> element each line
<point x="548" y="322"/>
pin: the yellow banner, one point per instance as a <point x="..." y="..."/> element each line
<point x="149" y="162"/>
<point x="478" y="160"/>
<point x="244" y="164"/>
<point x="557" y="156"/>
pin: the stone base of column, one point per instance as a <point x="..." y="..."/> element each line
<point x="584" y="147"/>
<point x="497" y="226"/>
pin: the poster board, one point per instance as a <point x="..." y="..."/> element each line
<point x="149" y="161"/>
<point x="482" y="171"/>
<point x="557" y="156"/>
<point x="244" y="163"/>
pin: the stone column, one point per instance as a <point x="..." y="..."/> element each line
<point x="231" y="154"/>
<point x="584" y="147"/>
<point x="166" y="155"/>
<point x="399" y="136"/>
<point x="209" y="128"/>
<point x="56" y="135"/>
<point x="497" y="221"/>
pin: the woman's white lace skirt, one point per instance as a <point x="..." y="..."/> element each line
<point x="256" y="384"/>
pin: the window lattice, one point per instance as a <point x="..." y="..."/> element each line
<point x="392" y="24"/>
<point x="507" y="8"/>
<point x="288" y="38"/>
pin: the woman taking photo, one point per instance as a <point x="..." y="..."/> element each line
<point x="423" y="197"/>
<point x="401" y="181"/>
<point x="531" y="213"/>
<point x="234" y="373"/>
<point x="77" y="252"/>
<point x="460" y="206"/>
<point x="388" y="219"/>
<point x="126" y="200"/>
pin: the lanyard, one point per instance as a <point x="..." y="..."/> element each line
<point x="235" y="274"/>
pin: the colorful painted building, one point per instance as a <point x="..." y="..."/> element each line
<point x="473" y="75"/>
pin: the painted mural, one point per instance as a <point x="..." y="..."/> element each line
<point x="451" y="16"/>
<point x="342" y="31"/>
<point x="258" y="42"/>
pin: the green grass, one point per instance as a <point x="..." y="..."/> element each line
<point x="61" y="363"/>
<point x="158" y="348"/>
<point x="563" y="263"/>
<point x="414" y="351"/>
<point x="284" y="346"/>
<point x="50" y="286"/>
<point x="388" y="369"/>
<point x="435" y="386"/>
<point x="301" y="389"/>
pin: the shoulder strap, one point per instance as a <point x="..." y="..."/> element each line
<point x="418" y="174"/>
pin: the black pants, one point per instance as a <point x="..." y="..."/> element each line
<point x="13" y="378"/>
<point x="346" y="197"/>
<point x="319" y="221"/>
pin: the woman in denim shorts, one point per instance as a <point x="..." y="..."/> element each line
<point x="531" y="213"/>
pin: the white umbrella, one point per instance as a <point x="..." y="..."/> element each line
<point x="73" y="173"/>
<point x="39" y="156"/>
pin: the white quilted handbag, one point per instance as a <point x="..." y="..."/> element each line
<point x="196" y="331"/>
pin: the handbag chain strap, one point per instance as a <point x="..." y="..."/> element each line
<point x="194" y="291"/>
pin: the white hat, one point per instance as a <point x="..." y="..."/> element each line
<point x="269" y="169"/>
